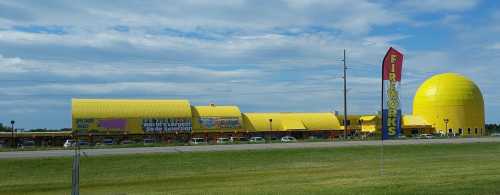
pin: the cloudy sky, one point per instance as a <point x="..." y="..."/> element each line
<point x="260" y="55"/>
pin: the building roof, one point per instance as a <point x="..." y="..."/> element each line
<point x="130" y="108"/>
<point x="290" y="121"/>
<point x="451" y="97"/>
<point x="367" y="118"/>
<point x="216" y="111"/>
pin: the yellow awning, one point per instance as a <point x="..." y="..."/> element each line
<point x="414" y="121"/>
<point x="367" y="118"/>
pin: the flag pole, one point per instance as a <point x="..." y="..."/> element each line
<point x="382" y="119"/>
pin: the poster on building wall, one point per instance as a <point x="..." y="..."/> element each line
<point x="112" y="124"/>
<point x="166" y="125"/>
<point x="392" y="67"/>
<point x="220" y="123"/>
<point x="83" y="123"/>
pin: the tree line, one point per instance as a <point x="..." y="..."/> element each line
<point x="493" y="128"/>
<point x="9" y="129"/>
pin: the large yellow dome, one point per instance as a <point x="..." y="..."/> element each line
<point x="451" y="103"/>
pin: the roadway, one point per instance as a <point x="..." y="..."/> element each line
<point x="236" y="147"/>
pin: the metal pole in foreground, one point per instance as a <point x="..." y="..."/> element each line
<point x="382" y="122"/>
<point x="345" y="98"/>
<point x="75" y="188"/>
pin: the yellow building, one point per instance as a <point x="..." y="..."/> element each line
<point x="214" y="118"/>
<point x="452" y="104"/>
<point x="130" y="115"/>
<point x="125" y="116"/>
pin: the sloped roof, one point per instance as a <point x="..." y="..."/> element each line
<point x="216" y="111"/>
<point x="130" y="108"/>
<point x="290" y="121"/>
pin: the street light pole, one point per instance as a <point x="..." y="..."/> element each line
<point x="270" y="126"/>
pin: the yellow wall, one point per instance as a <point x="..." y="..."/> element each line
<point x="454" y="97"/>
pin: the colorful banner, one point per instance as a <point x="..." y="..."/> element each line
<point x="219" y="123"/>
<point x="110" y="124"/>
<point x="391" y="78"/>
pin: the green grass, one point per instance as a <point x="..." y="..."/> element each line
<point x="417" y="169"/>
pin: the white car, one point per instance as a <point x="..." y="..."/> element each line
<point x="237" y="139"/>
<point x="426" y="136"/>
<point x="257" y="140"/>
<point x="222" y="140"/>
<point x="288" y="139"/>
<point x="69" y="143"/>
<point x="198" y="140"/>
<point x="495" y="135"/>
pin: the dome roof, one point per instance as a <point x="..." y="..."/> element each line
<point x="448" y="89"/>
<point x="450" y="96"/>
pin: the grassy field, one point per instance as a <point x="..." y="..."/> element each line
<point x="417" y="169"/>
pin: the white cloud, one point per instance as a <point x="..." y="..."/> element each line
<point x="350" y="16"/>
<point x="494" y="46"/>
<point x="441" y="5"/>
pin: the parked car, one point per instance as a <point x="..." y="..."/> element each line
<point x="222" y="140"/>
<point x="2" y="143"/>
<point x="495" y="134"/>
<point x="126" y="142"/>
<point x="148" y="141"/>
<point x="108" y="141"/>
<point x="402" y="137"/>
<point x="288" y="139"/>
<point x="27" y="143"/>
<point x="198" y="140"/>
<point x="257" y="140"/>
<point x="426" y="136"/>
<point x="237" y="139"/>
<point x="69" y="143"/>
<point x="83" y="143"/>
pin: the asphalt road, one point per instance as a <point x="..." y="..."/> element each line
<point x="180" y="149"/>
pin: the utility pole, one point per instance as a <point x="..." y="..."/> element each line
<point x="345" y="97"/>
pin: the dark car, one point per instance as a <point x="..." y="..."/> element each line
<point x="108" y="141"/>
